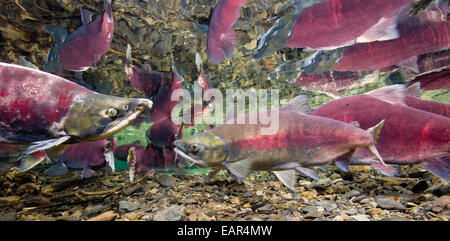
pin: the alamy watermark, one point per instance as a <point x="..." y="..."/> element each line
<point x="263" y="108"/>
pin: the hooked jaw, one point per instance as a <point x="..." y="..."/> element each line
<point x="118" y="125"/>
<point x="180" y="151"/>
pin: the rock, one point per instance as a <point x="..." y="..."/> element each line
<point x="6" y="201"/>
<point x="440" y="204"/>
<point x="108" y="216"/>
<point x="95" y="209"/>
<point x="267" y="207"/>
<point x="395" y="218"/>
<point x="247" y="194"/>
<point x="128" y="206"/>
<point x="172" y="213"/>
<point x="166" y="180"/>
<point x="131" y="190"/>
<point x="8" y="216"/>
<point x="387" y="203"/>
<point x="351" y="194"/>
<point x="360" y="217"/>
<point x="352" y="211"/>
<point x="314" y="214"/>
<point x="338" y="218"/>
<point x="327" y="205"/>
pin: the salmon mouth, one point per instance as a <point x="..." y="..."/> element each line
<point x="119" y="124"/>
<point x="188" y="157"/>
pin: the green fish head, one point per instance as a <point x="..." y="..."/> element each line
<point x="205" y="149"/>
<point x="99" y="116"/>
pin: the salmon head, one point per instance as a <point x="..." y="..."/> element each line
<point x="99" y="116"/>
<point x="204" y="149"/>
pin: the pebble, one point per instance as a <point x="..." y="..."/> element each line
<point x="440" y="204"/>
<point x="351" y="194"/>
<point x="172" y="213"/>
<point x="108" y="216"/>
<point x="313" y="214"/>
<point x="387" y="203"/>
<point x="128" y="205"/>
<point x="267" y="207"/>
<point x="166" y="180"/>
<point x="395" y="218"/>
<point x="8" y="216"/>
<point x="360" y="217"/>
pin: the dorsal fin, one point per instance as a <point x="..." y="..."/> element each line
<point x="299" y="104"/>
<point x="394" y="94"/>
<point x="413" y="90"/>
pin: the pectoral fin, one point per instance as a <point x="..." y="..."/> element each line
<point x="287" y="177"/>
<point x="240" y="169"/>
<point x="42" y="145"/>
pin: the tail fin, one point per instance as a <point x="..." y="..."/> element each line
<point x="59" y="35"/>
<point x="375" y="132"/>
<point x="108" y="8"/>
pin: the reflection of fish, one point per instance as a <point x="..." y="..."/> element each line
<point x="331" y="24"/>
<point x="337" y="23"/>
<point x="433" y="81"/>
<point x="45" y="111"/>
<point x="409" y="135"/>
<point x="334" y="82"/>
<point x="221" y="35"/>
<point x="85" y="156"/>
<point x="83" y="48"/>
<point x="143" y="79"/>
<point x="412" y="99"/>
<point x="419" y="34"/>
<point x="301" y="141"/>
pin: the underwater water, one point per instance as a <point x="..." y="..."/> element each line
<point x="251" y="45"/>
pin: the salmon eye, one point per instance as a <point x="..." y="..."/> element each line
<point x="126" y="107"/>
<point x="111" y="112"/>
<point x="195" y="148"/>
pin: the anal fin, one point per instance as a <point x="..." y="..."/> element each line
<point x="287" y="177"/>
<point x="59" y="169"/>
<point x="386" y="169"/>
<point x="308" y="172"/>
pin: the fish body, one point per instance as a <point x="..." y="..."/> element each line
<point x="43" y="111"/>
<point x="337" y="23"/>
<point x="221" y="36"/>
<point x="86" y="156"/>
<point x="409" y="135"/>
<point x="83" y="48"/>
<point x="412" y="99"/>
<point x="301" y="141"/>
<point x="143" y="78"/>
<point x="418" y="35"/>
